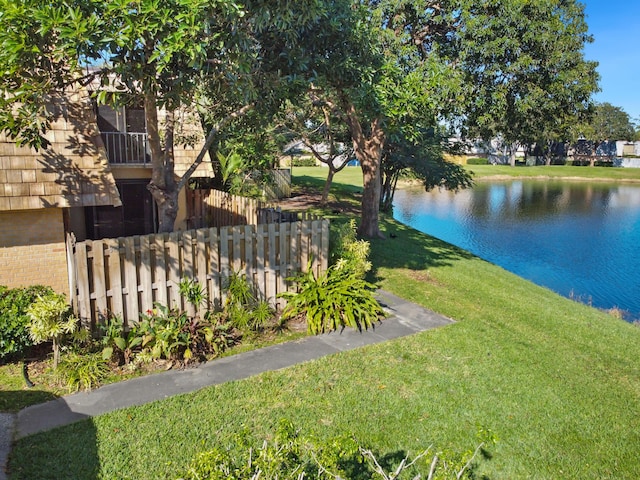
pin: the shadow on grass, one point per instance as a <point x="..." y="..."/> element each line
<point x="68" y="452"/>
<point x="15" y="400"/>
<point x="408" y="248"/>
<point x="342" y="192"/>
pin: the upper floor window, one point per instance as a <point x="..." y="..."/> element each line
<point x="122" y="119"/>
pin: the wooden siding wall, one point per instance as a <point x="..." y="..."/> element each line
<point x="126" y="276"/>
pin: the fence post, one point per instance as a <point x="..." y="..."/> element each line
<point x="71" y="272"/>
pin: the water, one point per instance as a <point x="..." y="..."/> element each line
<point x="581" y="240"/>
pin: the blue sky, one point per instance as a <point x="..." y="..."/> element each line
<point x="615" y="25"/>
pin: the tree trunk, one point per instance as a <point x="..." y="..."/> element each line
<point x="327" y="186"/>
<point x="389" y="183"/>
<point x="370" y="161"/>
<point x="163" y="187"/>
<point x="368" y="150"/>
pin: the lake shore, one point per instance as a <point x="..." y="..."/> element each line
<point x="501" y="178"/>
<point x="554" y="172"/>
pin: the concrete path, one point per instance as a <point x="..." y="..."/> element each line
<point x="404" y="319"/>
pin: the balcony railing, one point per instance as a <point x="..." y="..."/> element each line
<point x="126" y="148"/>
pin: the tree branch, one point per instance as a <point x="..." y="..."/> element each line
<point x="209" y="141"/>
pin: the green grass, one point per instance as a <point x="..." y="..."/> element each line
<point x="557" y="171"/>
<point x="14" y="395"/>
<point x="557" y="382"/>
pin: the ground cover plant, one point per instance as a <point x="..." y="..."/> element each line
<point x="555" y="383"/>
<point x="163" y="338"/>
<point x="339" y="297"/>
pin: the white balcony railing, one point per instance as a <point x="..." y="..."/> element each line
<point x="126" y="148"/>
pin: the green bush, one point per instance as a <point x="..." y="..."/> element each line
<point x="82" y="371"/>
<point x="304" y="161"/>
<point x="165" y="333"/>
<point x="339" y="297"/>
<point x="290" y="456"/>
<point x="14" y="334"/>
<point x="118" y="342"/>
<point x="242" y="308"/>
<point x="349" y="253"/>
<point x="477" y="161"/>
<point x="332" y="301"/>
<point x="50" y="319"/>
<point x="287" y="456"/>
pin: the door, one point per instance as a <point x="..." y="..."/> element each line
<point x="136" y="216"/>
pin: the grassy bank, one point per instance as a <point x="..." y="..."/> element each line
<point x="484" y="172"/>
<point x="556" y="382"/>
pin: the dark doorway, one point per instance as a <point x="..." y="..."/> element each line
<point x="136" y="216"/>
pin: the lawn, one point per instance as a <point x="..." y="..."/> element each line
<point x="556" y="382"/>
<point x="556" y="171"/>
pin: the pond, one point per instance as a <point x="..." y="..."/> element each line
<point x="581" y="240"/>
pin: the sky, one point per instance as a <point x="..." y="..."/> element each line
<point x="615" y="26"/>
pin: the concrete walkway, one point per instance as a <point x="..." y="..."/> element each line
<point x="404" y="319"/>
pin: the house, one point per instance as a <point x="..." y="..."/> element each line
<point x="91" y="182"/>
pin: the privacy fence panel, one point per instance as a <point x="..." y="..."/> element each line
<point x="126" y="276"/>
<point x="214" y="208"/>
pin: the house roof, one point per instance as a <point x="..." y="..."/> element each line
<point x="72" y="172"/>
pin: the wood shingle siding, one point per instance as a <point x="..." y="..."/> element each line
<point x="72" y="172"/>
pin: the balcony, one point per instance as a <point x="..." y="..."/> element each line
<point x="126" y="148"/>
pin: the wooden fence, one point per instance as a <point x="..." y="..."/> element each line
<point x="209" y="208"/>
<point x="214" y="208"/>
<point x="126" y="276"/>
<point x="280" y="186"/>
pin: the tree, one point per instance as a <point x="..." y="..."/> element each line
<point x="525" y="70"/>
<point x="384" y="84"/>
<point x="607" y="123"/>
<point x="324" y="135"/>
<point x="424" y="160"/>
<point x="169" y="54"/>
<point x="495" y="66"/>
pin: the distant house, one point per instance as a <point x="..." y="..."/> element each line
<point x="91" y="182"/>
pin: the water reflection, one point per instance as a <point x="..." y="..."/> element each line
<point x="578" y="239"/>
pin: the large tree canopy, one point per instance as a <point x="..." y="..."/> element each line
<point x="391" y="70"/>
<point x="608" y="122"/>
<point x="166" y="53"/>
<point x="508" y="67"/>
<point x="526" y="71"/>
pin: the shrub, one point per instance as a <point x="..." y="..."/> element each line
<point x="193" y="292"/>
<point x="340" y="297"/>
<point x="165" y="333"/>
<point x="50" y="319"/>
<point x="172" y="335"/>
<point x="349" y="253"/>
<point x="290" y="456"/>
<point x="287" y="457"/>
<point x="82" y="372"/>
<point x="242" y="308"/>
<point x="14" y="334"/>
<point x="477" y="161"/>
<point x="332" y="301"/>
<point x="304" y="161"/>
<point x="118" y="341"/>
